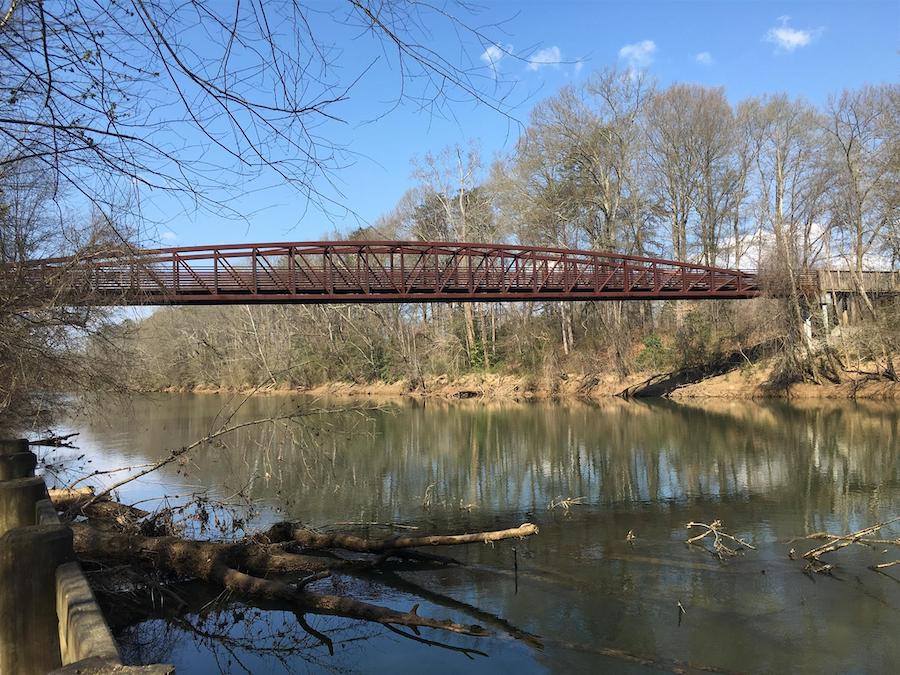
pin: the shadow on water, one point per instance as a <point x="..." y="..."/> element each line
<point x="770" y="471"/>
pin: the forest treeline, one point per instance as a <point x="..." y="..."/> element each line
<point x="614" y="163"/>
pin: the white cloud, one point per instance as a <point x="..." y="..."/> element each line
<point x="550" y="56"/>
<point x="579" y="64"/>
<point x="704" y="59"/>
<point x="492" y="57"/>
<point x="168" y="235"/>
<point x="638" y="55"/>
<point x="787" y="39"/>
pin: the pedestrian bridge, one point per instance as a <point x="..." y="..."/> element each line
<point x="372" y="271"/>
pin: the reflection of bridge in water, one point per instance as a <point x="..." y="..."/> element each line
<point x="396" y="271"/>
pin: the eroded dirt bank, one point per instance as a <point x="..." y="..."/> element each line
<point x="746" y="383"/>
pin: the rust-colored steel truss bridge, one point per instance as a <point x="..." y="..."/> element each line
<point x="373" y="271"/>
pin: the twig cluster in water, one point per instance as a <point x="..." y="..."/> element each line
<point x="719" y="548"/>
<point x="56" y="440"/>
<point x="565" y="503"/>
<point x="837" y="541"/>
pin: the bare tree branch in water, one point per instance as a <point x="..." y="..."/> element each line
<point x="837" y="542"/>
<point x="213" y="620"/>
<point x="882" y="566"/>
<point x="307" y="539"/>
<point x="719" y="549"/>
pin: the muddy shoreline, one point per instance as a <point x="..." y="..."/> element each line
<point x="741" y="384"/>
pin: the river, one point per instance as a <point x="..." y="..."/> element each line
<point x="769" y="471"/>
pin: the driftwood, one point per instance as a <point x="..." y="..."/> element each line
<point x="565" y="503"/>
<point x="837" y="542"/>
<point x="719" y="548"/>
<point x="246" y="568"/>
<point x="882" y="566"/>
<point x="80" y="501"/>
<point x="55" y="441"/>
<point x="865" y="541"/>
<point x="308" y="539"/>
<point x="845" y="540"/>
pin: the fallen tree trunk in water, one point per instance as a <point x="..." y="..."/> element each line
<point x="244" y="567"/>
<point x="80" y="501"/>
<point x="284" y="532"/>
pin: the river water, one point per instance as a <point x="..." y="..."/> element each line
<point x="595" y="602"/>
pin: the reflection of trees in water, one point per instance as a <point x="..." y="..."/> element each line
<point x="377" y="467"/>
<point x="236" y="638"/>
<point x="522" y="459"/>
<point x="195" y="626"/>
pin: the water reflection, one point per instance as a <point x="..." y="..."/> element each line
<point x="770" y="471"/>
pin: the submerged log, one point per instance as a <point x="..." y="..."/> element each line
<point x="244" y="568"/>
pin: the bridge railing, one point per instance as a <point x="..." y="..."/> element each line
<point x="873" y="281"/>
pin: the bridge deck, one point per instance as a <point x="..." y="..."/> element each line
<point x="390" y="271"/>
<point x="842" y="281"/>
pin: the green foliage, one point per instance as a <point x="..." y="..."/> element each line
<point x="654" y="355"/>
<point x="478" y="357"/>
<point x="693" y="343"/>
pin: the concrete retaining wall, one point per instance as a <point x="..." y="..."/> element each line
<point x="49" y="618"/>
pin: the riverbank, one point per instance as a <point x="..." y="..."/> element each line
<point x="752" y="382"/>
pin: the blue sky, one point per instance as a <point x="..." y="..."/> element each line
<point x="804" y="48"/>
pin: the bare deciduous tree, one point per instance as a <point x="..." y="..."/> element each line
<point x="188" y="97"/>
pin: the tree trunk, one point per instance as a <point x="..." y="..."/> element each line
<point x="484" y="340"/>
<point x="246" y="567"/>
<point x="469" y="316"/>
